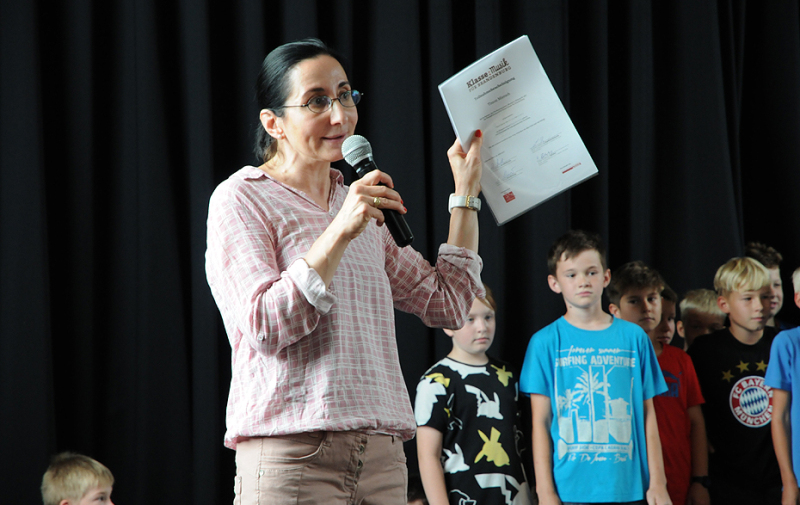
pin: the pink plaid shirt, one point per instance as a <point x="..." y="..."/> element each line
<point x="305" y="358"/>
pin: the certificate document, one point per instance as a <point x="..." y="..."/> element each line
<point x="531" y="150"/>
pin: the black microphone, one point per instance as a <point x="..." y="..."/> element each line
<point x="357" y="152"/>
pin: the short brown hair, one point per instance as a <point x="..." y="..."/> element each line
<point x="765" y="254"/>
<point x="70" y="476"/>
<point x="633" y="275"/>
<point x="572" y="244"/>
<point x="669" y="294"/>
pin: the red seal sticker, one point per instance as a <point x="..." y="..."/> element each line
<point x="751" y="402"/>
<point x="509" y="196"/>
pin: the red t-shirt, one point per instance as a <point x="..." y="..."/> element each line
<point x="674" y="426"/>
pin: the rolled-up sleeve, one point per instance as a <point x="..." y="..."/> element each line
<point x="268" y="306"/>
<point x="440" y="295"/>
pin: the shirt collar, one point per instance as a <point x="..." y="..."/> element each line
<point x="251" y="172"/>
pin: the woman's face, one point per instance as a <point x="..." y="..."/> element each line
<point x="316" y="137"/>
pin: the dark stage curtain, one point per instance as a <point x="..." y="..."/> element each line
<point x="119" y="117"/>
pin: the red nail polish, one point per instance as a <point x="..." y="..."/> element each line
<point x="479" y="133"/>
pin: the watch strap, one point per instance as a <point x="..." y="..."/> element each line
<point x="467" y="202"/>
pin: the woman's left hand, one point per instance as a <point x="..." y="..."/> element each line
<point x="467" y="167"/>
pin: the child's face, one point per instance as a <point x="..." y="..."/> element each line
<point x="581" y="279"/>
<point x="665" y="330"/>
<point x="641" y="306"/>
<point x="694" y="323"/>
<point x="748" y="310"/>
<point x="97" y="496"/>
<point x="477" y="335"/>
<point x="776" y="289"/>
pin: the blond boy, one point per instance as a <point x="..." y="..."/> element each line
<point x="700" y="315"/>
<point x="731" y="364"/>
<point x="591" y="379"/>
<point x="75" y="479"/>
<point x="783" y="375"/>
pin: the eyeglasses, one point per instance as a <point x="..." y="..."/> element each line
<point x="319" y="104"/>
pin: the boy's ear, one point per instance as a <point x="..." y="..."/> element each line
<point x="613" y="309"/>
<point x="271" y="123"/>
<point x="797" y="298"/>
<point x="722" y="303"/>
<point x="606" y="277"/>
<point x="553" y="283"/>
<point x="63" y="502"/>
<point x="447" y="332"/>
<point x="680" y="328"/>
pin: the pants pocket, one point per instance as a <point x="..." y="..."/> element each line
<point x="289" y="451"/>
<point x="283" y="464"/>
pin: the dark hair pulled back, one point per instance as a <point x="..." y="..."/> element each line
<point x="272" y="84"/>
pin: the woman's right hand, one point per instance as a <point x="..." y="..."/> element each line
<point x="357" y="211"/>
<point x="359" y="208"/>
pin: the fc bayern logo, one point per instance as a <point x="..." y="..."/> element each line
<point x="751" y="402"/>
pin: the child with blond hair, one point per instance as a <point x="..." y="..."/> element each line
<point x="731" y="365"/>
<point x="75" y="479"/>
<point x="699" y="315"/>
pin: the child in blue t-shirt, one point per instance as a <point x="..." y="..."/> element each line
<point x="783" y="376"/>
<point x="591" y="380"/>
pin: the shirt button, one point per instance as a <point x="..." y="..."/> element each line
<point x="360" y="464"/>
<point x="361" y="449"/>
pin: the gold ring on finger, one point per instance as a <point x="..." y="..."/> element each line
<point x="376" y="202"/>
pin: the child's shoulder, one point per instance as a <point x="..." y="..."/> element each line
<point x="448" y="368"/>
<point x="550" y="334"/>
<point x="498" y="362"/>
<point x="787" y="339"/>
<point x="438" y="367"/>
<point x="563" y="328"/>
<point x="670" y="353"/>
<point x="790" y="334"/>
<point x="710" y="343"/>
<point x="627" y="327"/>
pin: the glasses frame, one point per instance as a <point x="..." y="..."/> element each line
<point x="353" y="93"/>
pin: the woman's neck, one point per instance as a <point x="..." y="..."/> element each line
<point x="313" y="179"/>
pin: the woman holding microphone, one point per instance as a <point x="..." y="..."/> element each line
<point x="306" y="278"/>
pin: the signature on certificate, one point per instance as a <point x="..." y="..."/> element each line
<point x="503" y="168"/>
<point x="545" y="156"/>
<point x="542" y="141"/>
